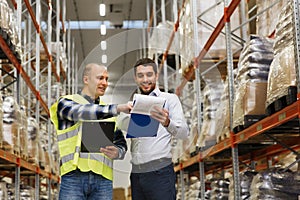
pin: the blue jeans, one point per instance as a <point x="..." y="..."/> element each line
<point x="154" y="185"/>
<point x="77" y="185"/>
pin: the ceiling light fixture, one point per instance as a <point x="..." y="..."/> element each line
<point x="102" y="9"/>
<point x="103" y="29"/>
<point x="104" y="59"/>
<point x="103" y="45"/>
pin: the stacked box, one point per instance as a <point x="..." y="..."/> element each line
<point x="119" y="194"/>
<point x="249" y="100"/>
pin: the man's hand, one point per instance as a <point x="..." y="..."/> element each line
<point x="125" y="108"/>
<point x="161" y="115"/>
<point x="110" y="151"/>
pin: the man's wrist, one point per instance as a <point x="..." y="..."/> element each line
<point x="167" y="123"/>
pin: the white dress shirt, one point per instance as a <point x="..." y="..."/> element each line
<point x="147" y="149"/>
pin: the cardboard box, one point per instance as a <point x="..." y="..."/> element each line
<point x="119" y="194"/>
<point x="255" y="98"/>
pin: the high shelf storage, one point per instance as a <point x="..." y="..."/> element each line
<point x="263" y="142"/>
<point x="33" y="66"/>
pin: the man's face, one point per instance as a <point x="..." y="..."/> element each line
<point x="97" y="81"/>
<point x="145" y="78"/>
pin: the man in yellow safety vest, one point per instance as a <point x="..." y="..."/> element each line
<point x="86" y="174"/>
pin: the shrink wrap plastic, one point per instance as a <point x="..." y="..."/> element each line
<point x="220" y="189"/>
<point x="212" y="94"/>
<point x="266" y="21"/>
<point x="246" y="178"/>
<point x="273" y="184"/>
<point x="3" y="190"/>
<point x="33" y="138"/>
<point x="1" y="120"/>
<point x="251" y="79"/>
<point x="282" y="70"/>
<point x="23" y="132"/>
<point x="222" y="116"/>
<point x="11" y="125"/>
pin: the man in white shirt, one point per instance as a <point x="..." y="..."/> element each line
<point x="152" y="176"/>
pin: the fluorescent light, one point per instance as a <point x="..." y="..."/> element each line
<point x="104" y="59"/>
<point x="103" y="29"/>
<point x="103" y="45"/>
<point x="102" y="9"/>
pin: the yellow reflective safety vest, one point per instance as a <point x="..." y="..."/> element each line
<point x="69" y="144"/>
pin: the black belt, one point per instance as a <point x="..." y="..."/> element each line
<point x="151" y="166"/>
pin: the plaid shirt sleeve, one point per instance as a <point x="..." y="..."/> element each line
<point x="72" y="111"/>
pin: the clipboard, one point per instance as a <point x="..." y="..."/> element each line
<point x="96" y="135"/>
<point x="141" y="124"/>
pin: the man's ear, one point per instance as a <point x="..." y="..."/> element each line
<point x="85" y="79"/>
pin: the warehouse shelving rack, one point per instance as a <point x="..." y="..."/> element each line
<point x="209" y="159"/>
<point x="34" y="34"/>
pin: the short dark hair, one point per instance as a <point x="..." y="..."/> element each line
<point x="145" y="62"/>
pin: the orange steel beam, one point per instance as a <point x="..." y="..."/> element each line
<point x="290" y="112"/>
<point x="22" y="163"/>
<point x="150" y="20"/>
<point x="278" y="118"/>
<point x="37" y="26"/>
<point x="229" y="10"/>
<point x="270" y="151"/>
<point x="62" y="22"/>
<point x="20" y="70"/>
<point x="15" y="4"/>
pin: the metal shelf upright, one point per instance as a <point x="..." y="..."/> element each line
<point x="267" y="124"/>
<point x="33" y="38"/>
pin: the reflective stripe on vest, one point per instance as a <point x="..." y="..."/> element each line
<point x="69" y="142"/>
<point x="67" y="135"/>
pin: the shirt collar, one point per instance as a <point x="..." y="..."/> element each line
<point x="155" y="92"/>
<point x="89" y="99"/>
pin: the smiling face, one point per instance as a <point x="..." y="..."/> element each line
<point x="95" y="80"/>
<point x="146" y="78"/>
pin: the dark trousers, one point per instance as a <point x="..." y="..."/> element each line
<point x="154" y="185"/>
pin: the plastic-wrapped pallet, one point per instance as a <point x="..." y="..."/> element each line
<point x="212" y="94"/>
<point x="33" y="138"/>
<point x="11" y="125"/>
<point x="1" y="120"/>
<point x="219" y="189"/>
<point x="210" y="13"/>
<point x="160" y="37"/>
<point x="222" y="116"/>
<point x="23" y="132"/>
<point x="55" y="156"/>
<point x="251" y="80"/>
<point x="246" y="178"/>
<point x="282" y="70"/>
<point x="3" y="190"/>
<point x="186" y="31"/>
<point x="267" y="20"/>
<point x="274" y="184"/>
<point x="27" y="192"/>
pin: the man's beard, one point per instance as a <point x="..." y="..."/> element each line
<point x="148" y="91"/>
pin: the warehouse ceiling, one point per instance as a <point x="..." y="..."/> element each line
<point x="119" y="33"/>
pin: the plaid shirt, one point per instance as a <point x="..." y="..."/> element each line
<point x="70" y="112"/>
